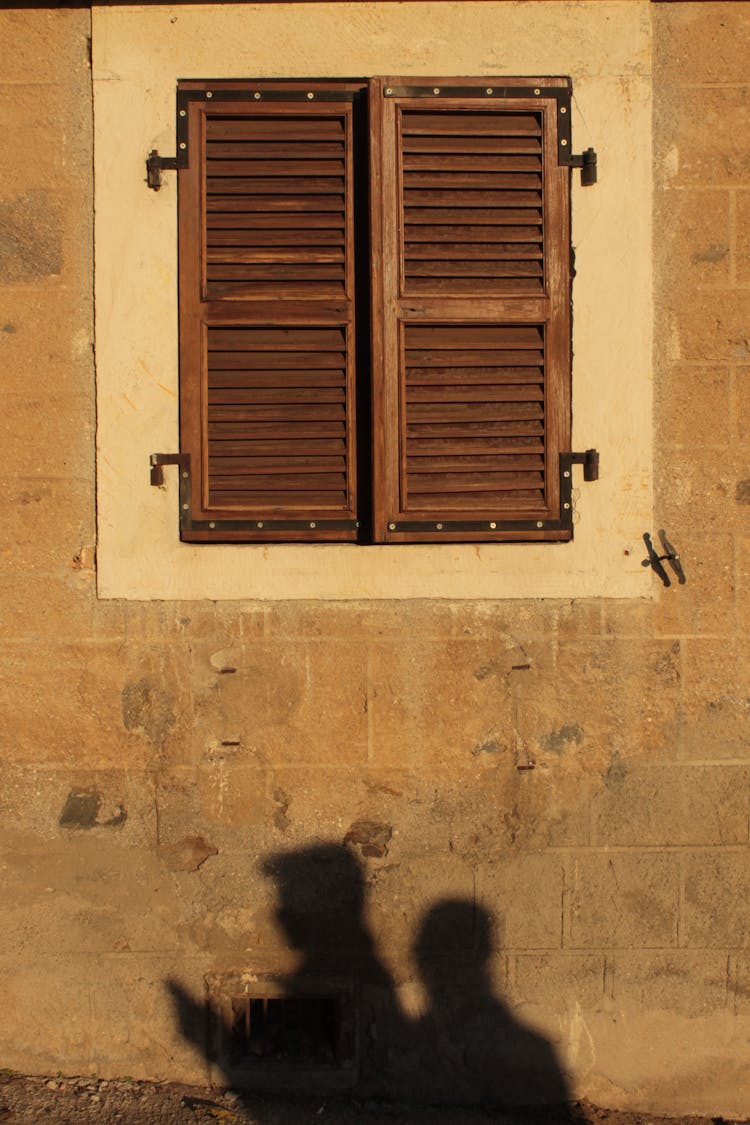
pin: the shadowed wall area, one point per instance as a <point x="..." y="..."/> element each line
<point x="335" y="1021"/>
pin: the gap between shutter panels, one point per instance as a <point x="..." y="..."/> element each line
<point x="278" y="437"/>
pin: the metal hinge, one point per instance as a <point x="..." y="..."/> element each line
<point x="586" y="161"/>
<point x="156" y="164"/>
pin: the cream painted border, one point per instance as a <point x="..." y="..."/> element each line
<point x="139" y="53"/>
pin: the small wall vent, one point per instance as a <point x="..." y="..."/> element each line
<point x="264" y="1035"/>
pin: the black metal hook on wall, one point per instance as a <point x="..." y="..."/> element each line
<point x="670" y="555"/>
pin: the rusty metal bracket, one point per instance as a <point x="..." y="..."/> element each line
<point x="586" y="161"/>
<point x="670" y="555"/>
<point x="156" y="164"/>
<point x="158" y="460"/>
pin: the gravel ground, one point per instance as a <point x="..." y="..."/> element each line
<point x="30" y="1100"/>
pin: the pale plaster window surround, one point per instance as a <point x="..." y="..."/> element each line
<point x="139" y="53"/>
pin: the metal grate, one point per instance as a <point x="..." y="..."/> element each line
<point x="292" y="1029"/>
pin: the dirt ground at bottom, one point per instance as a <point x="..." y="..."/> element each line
<point x="28" y="1100"/>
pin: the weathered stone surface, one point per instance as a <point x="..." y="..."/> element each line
<point x="702" y="44"/>
<point x="650" y="805"/>
<point x="693" y="407"/>
<point x="624" y="900"/>
<point x="523" y="894"/>
<point x="686" y="982"/>
<point x="717" y="899"/>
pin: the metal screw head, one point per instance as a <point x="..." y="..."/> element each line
<point x="566" y="506"/>
<point x="212" y="525"/>
<point x="489" y="90"/>
<point x="537" y="91"/>
<point x="209" y="94"/>
<point x="566" y="473"/>
<point x="310" y="95"/>
<point x="388" y="90"/>
<point x="563" y="109"/>
<point x="563" y="142"/>
<point x="539" y="523"/>
<point x="260" y="523"/>
<point x="391" y="527"/>
<point x="185" y="475"/>
<point x="256" y="95"/>
<point x="182" y="144"/>
<point x="436" y="90"/>
<point x="493" y="526"/>
<point x="183" y="113"/>
<point x="184" y="507"/>
<point x="439" y="526"/>
<point x="312" y="523"/>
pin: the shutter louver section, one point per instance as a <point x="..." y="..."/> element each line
<point x="474" y="411"/>
<point x="472" y="202"/>
<point x="277" y="417"/>
<point x="276" y="207"/>
<point x="474" y="399"/>
<point x="267" y="313"/>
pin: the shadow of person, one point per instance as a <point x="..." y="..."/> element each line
<point x="471" y="1048"/>
<point x="321" y="907"/>
<point x="333" y="1023"/>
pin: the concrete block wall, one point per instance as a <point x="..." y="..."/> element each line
<point x="577" y="771"/>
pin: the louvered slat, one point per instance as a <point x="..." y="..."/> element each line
<point x="440" y="390"/>
<point x="487" y="168"/>
<point x="283" y="377"/>
<point x="257" y="167"/>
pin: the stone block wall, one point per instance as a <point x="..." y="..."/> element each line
<point x="577" y="772"/>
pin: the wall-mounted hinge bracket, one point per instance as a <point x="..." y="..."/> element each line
<point x="158" y="460"/>
<point x="589" y="460"/>
<point x="586" y="161"/>
<point x="156" y="164"/>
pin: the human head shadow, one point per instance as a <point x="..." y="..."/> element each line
<point x="471" y="1046"/>
<point x="334" y="1023"/>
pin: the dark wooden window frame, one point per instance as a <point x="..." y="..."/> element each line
<point x="416" y="374"/>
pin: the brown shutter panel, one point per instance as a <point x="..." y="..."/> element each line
<point x="471" y="397"/>
<point x="267" y="311"/>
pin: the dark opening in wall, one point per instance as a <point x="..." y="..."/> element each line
<point x="264" y="1035"/>
<point x="303" y="1028"/>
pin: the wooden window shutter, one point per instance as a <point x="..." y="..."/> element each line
<point x="471" y="390"/>
<point x="267" y="336"/>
